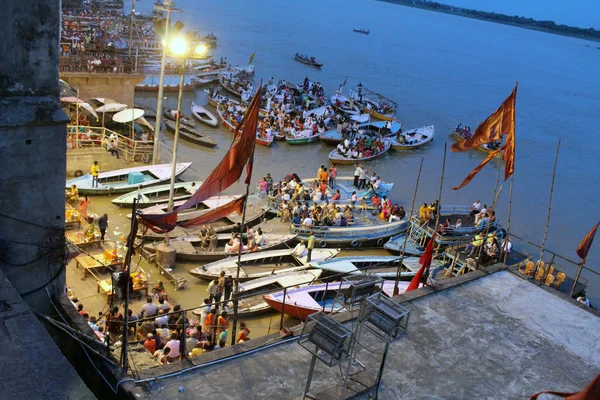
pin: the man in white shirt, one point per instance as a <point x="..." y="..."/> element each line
<point x="260" y="238"/>
<point x="475" y="209"/>
<point x="300" y="249"/>
<point x="481" y="213"/>
<point x="162" y="319"/>
<point x="357" y="172"/>
<point x="346" y="143"/>
<point x="308" y="221"/>
<point x="286" y="196"/>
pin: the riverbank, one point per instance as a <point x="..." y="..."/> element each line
<point x="521" y="22"/>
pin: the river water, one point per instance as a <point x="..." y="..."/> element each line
<point x="442" y="70"/>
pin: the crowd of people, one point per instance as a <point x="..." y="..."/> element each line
<point x="361" y="147"/>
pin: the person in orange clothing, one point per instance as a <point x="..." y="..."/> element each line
<point x="222" y="323"/>
<point x="323" y="176"/>
<point x="210" y="323"/>
<point x="244" y="332"/>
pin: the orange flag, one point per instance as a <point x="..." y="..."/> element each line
<point x="586" y="243"/>
<point x="501" y="122"/>
<point x="425" y="262"/>
<point x="477" y="169"/>
<point x="590" y="392"/>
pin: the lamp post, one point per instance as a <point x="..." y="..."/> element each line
<point x="183" y="49"/>
<point x="168" y="7"/>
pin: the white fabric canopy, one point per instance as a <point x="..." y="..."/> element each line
<point x="112" y="107"/>
<point x="128" y="115"/>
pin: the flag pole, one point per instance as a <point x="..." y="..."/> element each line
<point x="581" y="265"/>
<point x="237" y="274"/>
<point x="412" y="207"/>
<point x="439" y="200"/>
<point x="549" y="208"/>
<point x="509" y="214"/>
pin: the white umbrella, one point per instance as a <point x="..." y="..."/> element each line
<point x="104" y="100"/>
<point x="112" y="107"/>
<point x="80" y="103"/>
<point x="128" y="115"/>
<point x="143" y="121"/>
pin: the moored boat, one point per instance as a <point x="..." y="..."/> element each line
<point x="126" y="180"/>
<point x="307" y="60"/>
<point x="302" y="302"/>
<point x="382" y="266"/>
<point x="375" y="104"/>
<point x="157" y="194"/>
<point x="302" y="137"/>
<point x="364" y="31"/>
<point x="200" y="209"/>
<point x="258" y="265"/>
<point x="260" y="139"/>
<point x="485" y="148"/>
<point x="171" y="114"/>
<point x="343" y="105"/>
<point x="191" y="134"/>
<point x="204" y="116"/>
<point x="395" y="245"/>
<point x="413" y="139"/>
<point x="338" y="158"/>
<point x="191" y="248"/>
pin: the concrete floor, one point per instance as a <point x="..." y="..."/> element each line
<point x="497" y="337"/>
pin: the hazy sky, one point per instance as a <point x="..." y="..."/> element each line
<point x="581" y="13"/>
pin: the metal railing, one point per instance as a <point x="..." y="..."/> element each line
<point x="93" y="136"/>
<point x="99" y="64"/>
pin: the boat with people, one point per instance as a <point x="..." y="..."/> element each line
<point x="302" y="137"/>
<point x="191" y="134"/>
<point x="412" y="139"/>
<point x="461" y="133"/>
<point x="365" y="31"/>
<point x="251" y="301"/>
<point x="205" y="249"/>
<point x="126" y="180"/>
<point x="376" y="105"/>
<point x="259" y="265"/>
<point x="337" y="157"/>
<point x="236" y="86"/>
<point x="157" y="194"/>
<point x="204" y="116"/>
<point x="227" y="113"/>
<point x="171" y="114"/>
<point x="301" y="302"/>
<point x="344" y="105"/>
<point x="205" y="80"/>
<point x="373" y="129"/>
<point x="385" y="267"/>
<point x="307" y="60"/>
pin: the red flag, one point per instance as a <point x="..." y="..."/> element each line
<point x="586" y="243"/>
<point x="425" y="262"/>
<point x="590" y="392"/>
<point x="501" y="122"/>
<point x="477" y="169"/>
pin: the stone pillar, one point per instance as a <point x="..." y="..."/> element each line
<point x="165" y="255"/>
<point x="33" y="149"/>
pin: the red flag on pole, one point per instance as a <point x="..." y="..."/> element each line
<point x="586" y="243"/>
<point x="425" y="262"/>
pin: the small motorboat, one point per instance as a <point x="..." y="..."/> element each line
<point x="171" y="114"/>
<point x="191" y="134"/>
<point x="338" y="158"/>
<point x="413" y="139"/>
<point x="302" y="137"/>
<point x="157" y="194"/>
<point x="364" y="31"/>
<point x="385" y="267"/>
<point x="343" y="105"/>
<point x="262" y="140"/>
<point x="307" y="60"/>
<point x="396" y="244"/>
<point x="191" y="248"/>
<point x="204" y="116"/>
<point x="126" y="180"/>
<point x="259" y="265"/>
<point x="302" y="302"/>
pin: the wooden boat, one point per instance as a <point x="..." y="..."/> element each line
<point x="396" y="244"/>
<point x="485" y="148"/>
<point x="216" y="100"/>
<point x="383" y="266"/>
<point x="413" y="139"/>
<point x="263" y="141"/>
<point x="258" y="265"/>
<point x="200" y="209"/>
<point x="376" y="105"/>
<point x="303" y="137"/>
<point x="170" y="113"/>
<point x="367" y="231"/>
<point x="205" y="80"/>
<point x="126" y="180"/>
<point x="252" y="301"/>
<point x="191" y="134"/>
<point x="368" y="129"/>
<point x="157" y="194"/>
<point x="189" y="248"/>
<point x="343" y="105"/>
<point x="170" y="84"/>
<point x="365" y="31"/>
<point x="302" y="302"/>
<point x="307" y="61"/>
<point x="204" y="116"/>
<point x="336" y="158"/>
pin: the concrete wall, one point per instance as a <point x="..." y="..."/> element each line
<point x="82" y="159"/>
<point x="33" y="147"/>
<point x="120" y="87"/>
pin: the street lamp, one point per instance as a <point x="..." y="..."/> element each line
<point x="183" y="49"/>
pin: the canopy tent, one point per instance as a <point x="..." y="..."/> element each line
<point x="79" y="103"/>
<point x="112" y="107"/>
<point x="66" y="89"/>
<point x="128" y="115"/>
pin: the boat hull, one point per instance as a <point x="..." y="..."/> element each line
<point x="304" y="140"/>
<point x="209" y="120"/>
<point x="191" y="136"/>
<point x="337" y="158"/>
<point x="430" y="130"/>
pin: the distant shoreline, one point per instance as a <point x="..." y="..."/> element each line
<point x="521" y="22"/>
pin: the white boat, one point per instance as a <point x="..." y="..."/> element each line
<point x="302" y="137"/>
<point x="396" y="244"/>
<point x="343" y="105"/>
<point x="338" y="158"/>
<point x="252" y="301"/>
<point x="157" y="194"/>
<point x="302" y="302"/>
<point x="383" y="266"/>
<point x="412" y="139"/>
<point x="259" y="265"/>
<point x="200" y="209"/>
<point x="204" y="116"/>
<point x="127" y="180"/>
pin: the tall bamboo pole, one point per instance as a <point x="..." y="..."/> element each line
<point x="412" y="207"/>
<point x="439" y="204"/>
<point x="124" y="358"/>
<point x="131" y="27"/>
<point x="236" y="292"/>
<point x="509" y="215"/>
<point x="549" y="208"/>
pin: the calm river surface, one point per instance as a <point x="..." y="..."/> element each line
<point x="441" y="70"/>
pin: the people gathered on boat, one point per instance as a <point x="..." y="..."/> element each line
<point x="361" y="147"/>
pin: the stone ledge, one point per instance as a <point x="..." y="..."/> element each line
<point x="31" y="111"/>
